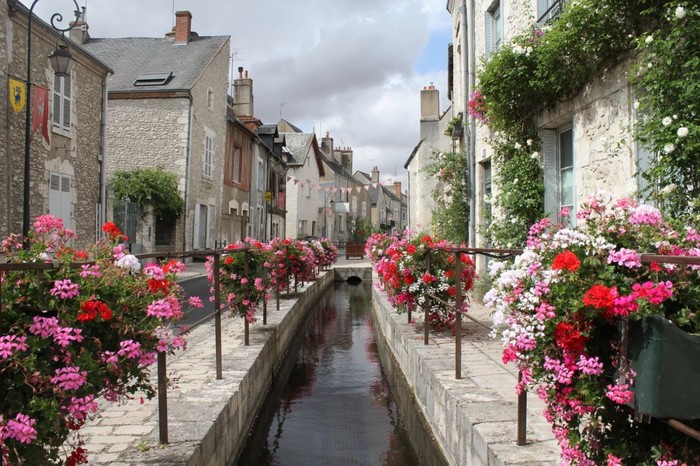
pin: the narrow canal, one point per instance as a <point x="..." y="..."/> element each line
<point x="331" y="403"/>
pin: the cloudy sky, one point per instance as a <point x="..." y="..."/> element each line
<point x="353" y="68"/>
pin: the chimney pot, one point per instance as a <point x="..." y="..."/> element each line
<point x="183" y="26"/>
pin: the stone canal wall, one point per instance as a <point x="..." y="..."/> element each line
<point x="473" y="419"/>
<point x="208" y="419"/>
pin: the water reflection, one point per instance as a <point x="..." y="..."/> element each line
<point x="335" y="407"/>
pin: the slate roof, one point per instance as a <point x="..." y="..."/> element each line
<point x="298" y="145"/>
<point x="129" y="57"/>
<point x="413" y="154"/>
<point x="337" y="168"/>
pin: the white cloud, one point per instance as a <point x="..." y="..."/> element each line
<point x="345" y="66"/>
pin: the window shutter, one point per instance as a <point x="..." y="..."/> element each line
<point x="488" y="34"/>
<point x="67" y="99"/>
<point x="60" y="198"/>
<point x="551" y="183"/>
<point x="56" y="115"/>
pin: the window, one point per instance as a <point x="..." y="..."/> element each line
<point x="233" y="166"/>
<point x="208" y="155"/>
<point x="261" y="175"/>
<point x="558" y="148"/>
<point x="493" y="28"/>
<point x="60" y="199"/>
<point x="62" y="101"/>
<point x="548" y="9"/>
<point x="153" y="79"/>
<point x="210" y="99"/>
<point x="307" y="188"/>
<point x="643" y="159"/>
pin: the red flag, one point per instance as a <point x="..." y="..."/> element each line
<point x="40" y="111"/>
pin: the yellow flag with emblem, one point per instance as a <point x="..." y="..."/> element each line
<point x="18" y="94"/>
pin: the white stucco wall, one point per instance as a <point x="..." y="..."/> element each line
<point x="299" y="206"/>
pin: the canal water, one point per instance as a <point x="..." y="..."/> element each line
<point x="331" y="402"/>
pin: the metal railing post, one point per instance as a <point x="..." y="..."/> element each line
<point x="162" y="400"/>
<point x="246" y="271"/>
<point x="522" y="413"/>
<point x="426" y="306"/>
<point x="458" y="316"/>
<point x="217" y="314"/>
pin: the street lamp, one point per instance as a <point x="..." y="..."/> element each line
<point x="61" y="61"/>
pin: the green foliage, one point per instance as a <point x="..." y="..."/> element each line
<point x="152" y="186"/>
<point x="451" y="214"/>
<point x="520" y="202"/>
<point x="536" y="71"/>
<point x="668" y="72"/>
<point x="359" y="230"/>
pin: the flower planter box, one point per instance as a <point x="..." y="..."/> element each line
<point x="667" y="362"/>
<point x="354" y="250"/>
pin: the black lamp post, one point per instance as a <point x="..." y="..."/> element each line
<point x="62" y="62"/>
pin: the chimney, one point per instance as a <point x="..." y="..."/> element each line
<point x="327" y="145"/>
<point x="79" y="31"/>
<point x="375" y="175"/>
<point x="397" y="189"/>
<point x="243" y="94"/>
<point x="346" y="158"/>
<point x="183" y="26"/>
<point x="429" y="103"/>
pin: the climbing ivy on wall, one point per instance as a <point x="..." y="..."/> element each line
<point x="533" y="73"/>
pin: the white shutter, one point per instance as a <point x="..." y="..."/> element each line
<point x="195" y="239"/>
<point x="488" y="34"/>
<point x="56" y="115"/>
<point x="67" y="99"/>
<point x="60" y="198"/>
<point x="551" y="174"/>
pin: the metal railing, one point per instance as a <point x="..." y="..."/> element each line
<point x="506" y="254"/>
<point x="162" y="379"/>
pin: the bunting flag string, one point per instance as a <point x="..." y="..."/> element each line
<point x="334" y="189"/>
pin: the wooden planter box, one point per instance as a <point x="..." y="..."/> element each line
<point x="354" y="250"/>
<point x="667" y="362"/>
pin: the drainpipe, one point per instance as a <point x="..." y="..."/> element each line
<point x="468" y="38"/>
<point x="188" y="149"/>
<point x="103" y="171"/>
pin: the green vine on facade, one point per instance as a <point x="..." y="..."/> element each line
<point x="450" y="218"/>
<point x="536" y="71"/>
<point x="150" y="186"/>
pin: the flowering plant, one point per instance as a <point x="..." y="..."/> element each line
<point x="408" y="279"/>
<point x="558" y="308"/>
<point x="244" y="276"/>
<point x="72" y="333"/>
<point x="325" y="252"/>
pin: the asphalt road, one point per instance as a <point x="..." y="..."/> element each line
<point x="196" y="286"/>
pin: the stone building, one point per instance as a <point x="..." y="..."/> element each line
<point x="305" y="170"/>
<point x="167" y="109"/>
<point x="422" y="186"/>
<point x="575" y="135"/>
<point x="67" y="146"/>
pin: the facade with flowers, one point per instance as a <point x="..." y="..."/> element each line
<point x="555" y="94"/>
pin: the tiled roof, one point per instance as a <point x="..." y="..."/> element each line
<point x="132" y="56"/>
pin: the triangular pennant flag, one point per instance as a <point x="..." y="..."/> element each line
<point x="375" y="184"/>
<point x="289" y="178"/>
<point x="357" y="189"/>
<point x="296" y="182"/>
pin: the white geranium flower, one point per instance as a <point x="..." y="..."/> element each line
<point x="668" y="148"/>
<point x="535" y="155"/>
<point x="130" y="262"/>
<point x="666" y="121"/>
<point x="517" y="146"/>
<point x="636" y="104"/>
<point x="529" y="142"/>
<point x="680" y="12"/>
<point x="649" y="39"/>
<point x="682" y="132"/>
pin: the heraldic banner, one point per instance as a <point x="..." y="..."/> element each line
<point x="17" y="91"/>
<point x="40" y="111"/>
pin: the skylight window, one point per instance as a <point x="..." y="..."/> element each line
<point x="153" y="79"/>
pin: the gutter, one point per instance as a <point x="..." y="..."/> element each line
<point x="470" y="78"/>
<point x="187" y="174"/>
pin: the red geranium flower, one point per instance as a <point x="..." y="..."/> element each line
<point x="569" y="338"/>
<point x="411" y="249"/>
<point x="91" y="308"/>
<point x="158" y="285"/>
<point x="600" y="296"/>
<point x="112" y="230"/>
<point x="566" y="260"/>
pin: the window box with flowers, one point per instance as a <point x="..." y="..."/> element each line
<point x="560" y="308"/>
